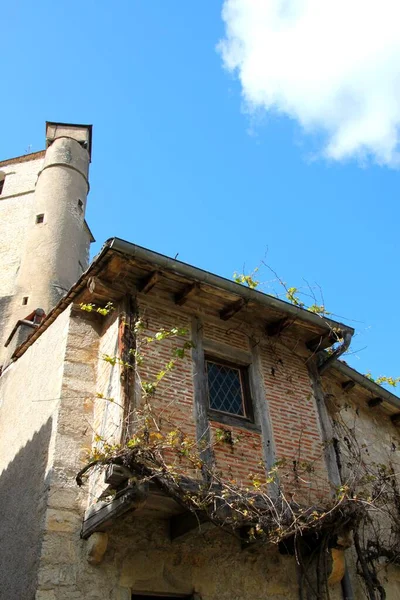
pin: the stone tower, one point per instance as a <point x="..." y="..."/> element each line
<point x="45" y="239"/>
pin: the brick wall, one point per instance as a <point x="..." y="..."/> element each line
<point x="288" y="395"/>
<point x="294" y="419"/>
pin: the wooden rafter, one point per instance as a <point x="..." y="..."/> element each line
<point x="321" y="342"/>
<point x="276" y="327"/>
<point x="189" y="291"/>
<point x="102" y="516"/>
<point x="374" y="402"/>
<point x="229" y="311"/>
<point x="395" y="419"/>
<point x="148" y="282"/>
<point x="348" y="385"/>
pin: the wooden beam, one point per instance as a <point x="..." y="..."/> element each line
<point x="348" y="385"/>
<point x="326" y="425"/>
<point x="148" y="282"/>
<point x="374" y="402"/>
<point x="101" y="517"/>
<point x="200" y="400"/>
<point x="229" y="311"/>
<point x="395" y="419"/>
<point x="226" y="352"/>
<point x="104" y="289"/>
<point x="186" y="293"/>
<point x="182" y="525"/>
<point x="262" y="414"/>
<point x="276" y="327"/>
<point x="321" y="342"/>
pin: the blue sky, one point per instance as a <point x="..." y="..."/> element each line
<point x="187" y="160"/>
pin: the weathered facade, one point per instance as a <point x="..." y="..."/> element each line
<point x="45" y="238"/>
<point x="80" y="384"/>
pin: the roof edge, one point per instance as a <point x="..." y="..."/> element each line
<point x="366" y="383"/>
<point x="211" y="279"/>
<point x="23" y="158"/>
<point x="183" y="269"/>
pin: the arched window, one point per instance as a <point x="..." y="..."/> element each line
<point x="2" y="180"/>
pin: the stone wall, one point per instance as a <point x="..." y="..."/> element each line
<point x="141" y="558"/>
<point x="61" y="562"/>
<point x="52" y="409"/>
<point x="30" y="395"/>
<point x="378" y="443"/>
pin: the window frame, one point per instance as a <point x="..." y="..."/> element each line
<point x="247" y="402"/>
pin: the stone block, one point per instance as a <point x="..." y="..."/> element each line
<point x="338" y="566"/>
<point x="45" y="595"/>
<point x="51" y="577"/>
<point x="96" y="548"/>
<point x="58" y="549"/>
<point x="141" y="566"/>
<point x="121" y="594"/>
<point x="62" y="520"/>
<point x="64" y="498"/>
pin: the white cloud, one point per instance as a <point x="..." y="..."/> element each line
<point x="333" y="65"/>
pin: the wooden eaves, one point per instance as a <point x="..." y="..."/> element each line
<point x="121" y="268"/>
<point x="377" y="395"/>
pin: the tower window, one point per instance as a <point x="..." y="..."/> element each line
<point x="80" y="204"/>
<point x="2" y="180"/>
<point x="25" y="300"/>
<point x="39" y="218"/>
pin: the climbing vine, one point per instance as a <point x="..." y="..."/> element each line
<point x="262" y="510"/>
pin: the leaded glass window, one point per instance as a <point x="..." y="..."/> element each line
<point x="227" y="388"/>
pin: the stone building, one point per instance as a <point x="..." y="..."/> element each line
<point x="45" y="238"/>
<point x="256" y="383"/>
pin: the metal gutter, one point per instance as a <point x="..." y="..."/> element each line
<point x="328" y="363"/>
<point x="366" y="383"/>
<point x="186" y="270"/>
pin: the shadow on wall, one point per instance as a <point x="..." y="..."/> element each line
<point x="22" y="505"/>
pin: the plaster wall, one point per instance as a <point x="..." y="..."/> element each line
<point x="42" y="260"/>
<point x="16" y="210"/>
<point x="54" y="248"/>
<point x="21" y="177"/>
<point x="30" y="391"/>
